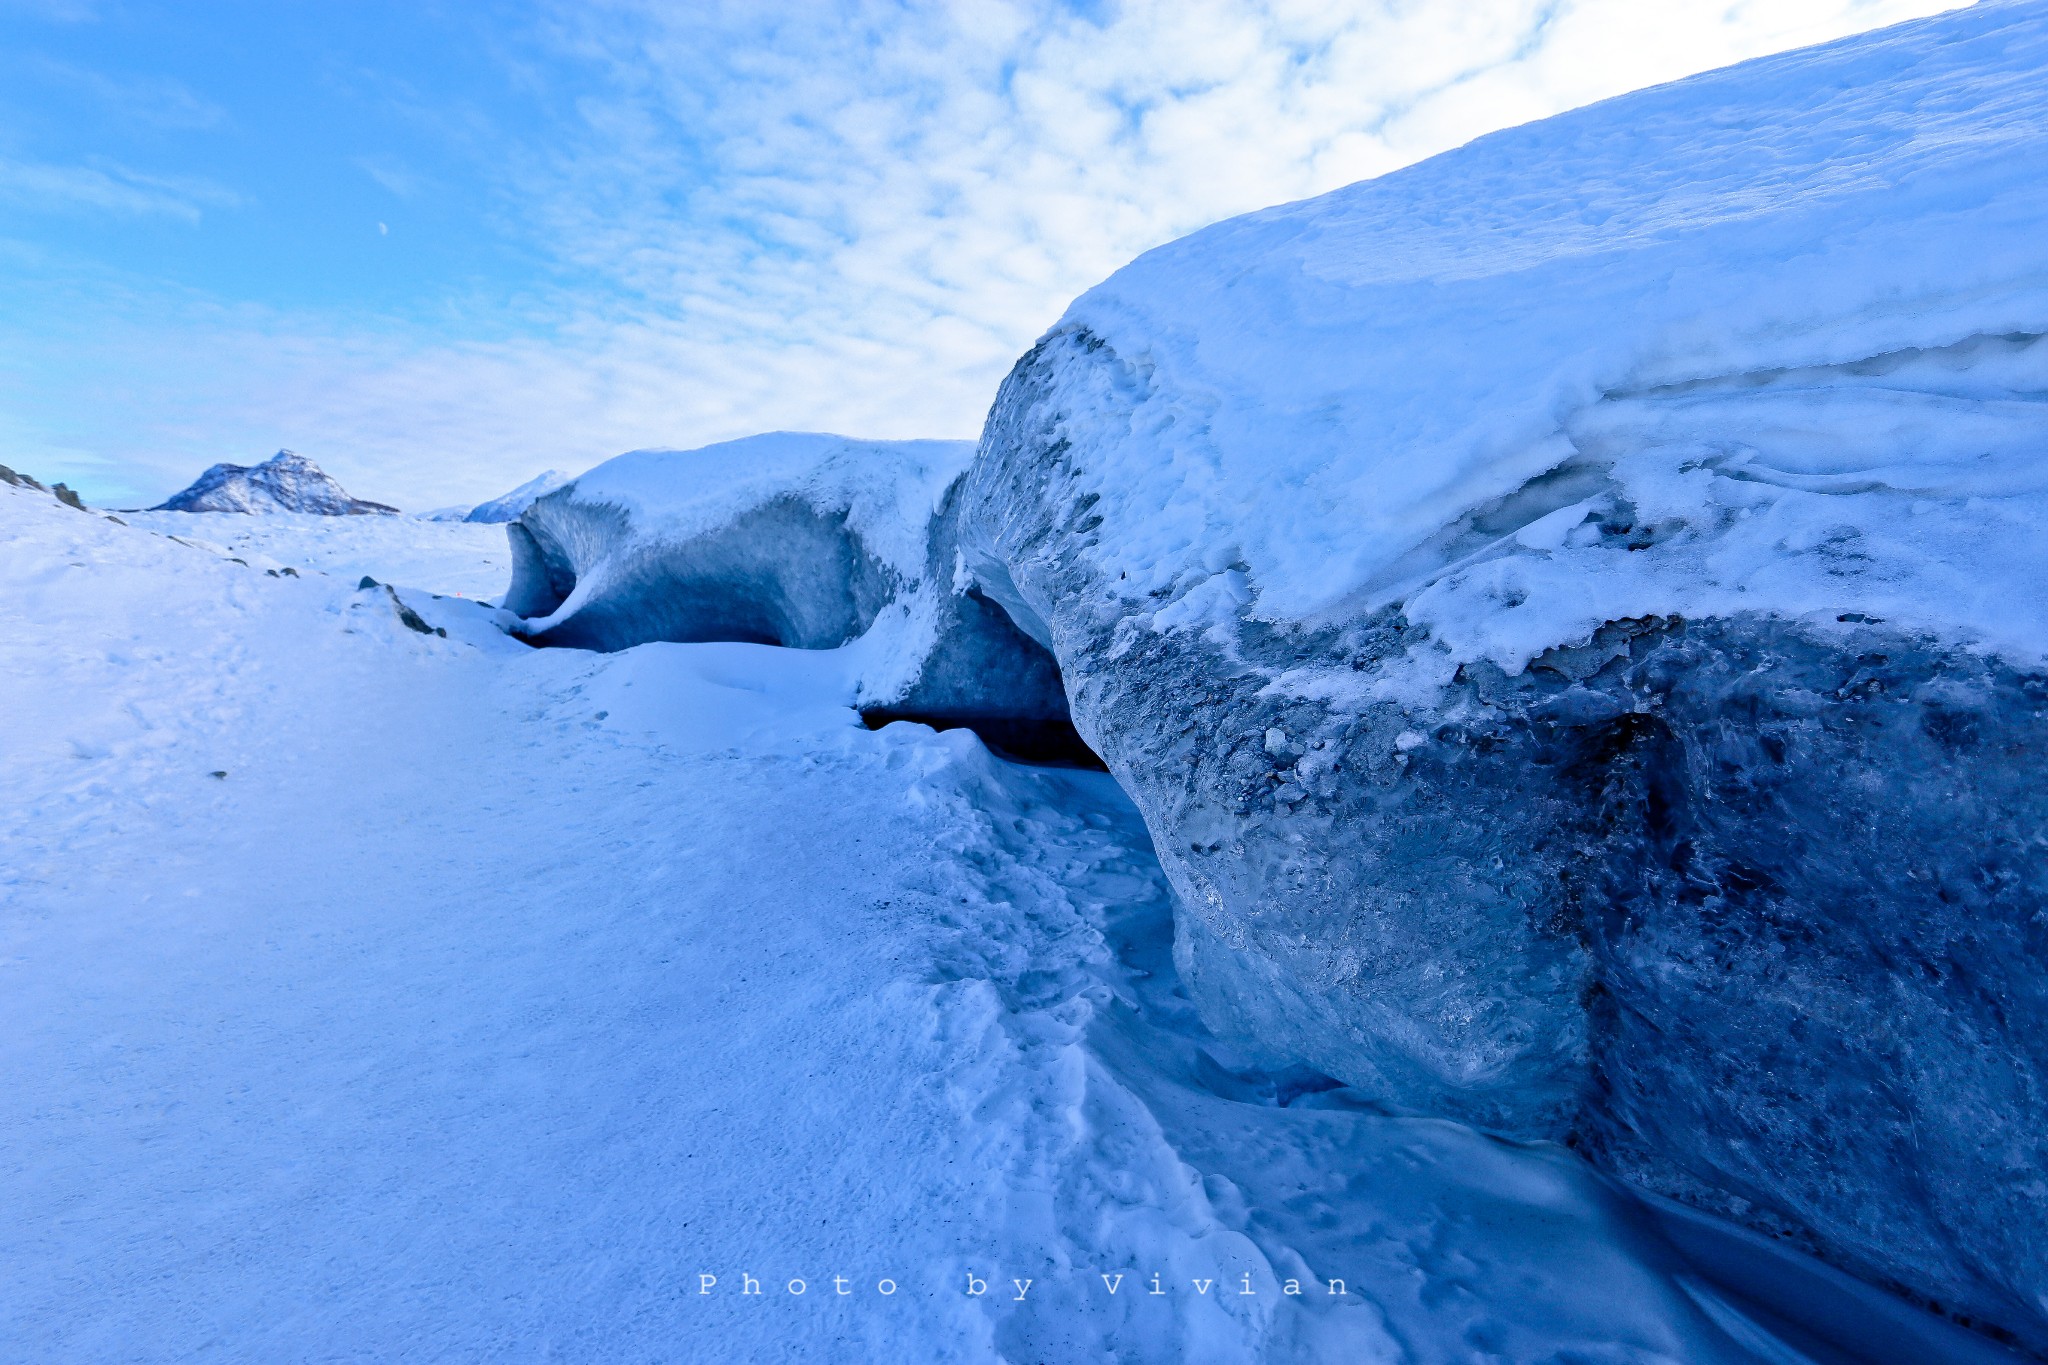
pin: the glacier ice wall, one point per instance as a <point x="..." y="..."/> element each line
<point x="782" y="574"/>
<point x="1573" y="613"/>
<point x="805" y="541"/>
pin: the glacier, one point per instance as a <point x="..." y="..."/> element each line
<point x="804" y="540"/>
<point x="379" y="994"/>
<point x="1572" y="615"/>
<point x="1564" y="624"/>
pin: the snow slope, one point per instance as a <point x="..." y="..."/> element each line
<point x="378" y="995"/>
<point x="1784" y="321"/>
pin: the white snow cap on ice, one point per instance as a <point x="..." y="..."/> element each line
<point x="507" y="506"/>
<point x="1766" y="339"/>
<point x="888" y="489"/>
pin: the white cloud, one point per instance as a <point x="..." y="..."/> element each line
<point x="108" y="187"/>
<point x="392" y="177"/>
<point x="153" y="100"/>
<point x="855" y="218"/>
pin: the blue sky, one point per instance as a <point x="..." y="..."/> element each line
<point x="439" y="247"/>
<point x="254" y="155"/>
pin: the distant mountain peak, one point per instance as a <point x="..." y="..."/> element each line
<point x="286" y="482"/>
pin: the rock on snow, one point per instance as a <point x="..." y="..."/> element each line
<point x="456" y="560"/>
<point x="286" y="482"/>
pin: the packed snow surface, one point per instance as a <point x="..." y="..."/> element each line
<point x="286" y="482"/>
<point x="1479" y="386"/>
<point x="379" y="995"/>
<point x="456" y="560"/>
<point x="508" y="506"/>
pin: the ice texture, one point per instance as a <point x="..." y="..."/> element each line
<point x="286" y="482"/>
<point x="803" y="540"/>
<point x="1571" y="613"/>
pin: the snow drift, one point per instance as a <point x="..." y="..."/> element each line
<point x="802" y="540"/>
<point x="1572" y="614"/>
<point x="286" y="482"/>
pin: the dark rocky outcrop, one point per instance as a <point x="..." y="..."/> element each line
<point x="61" y="492"/>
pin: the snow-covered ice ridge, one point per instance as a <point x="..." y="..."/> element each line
<point x="383" y="994"/>
<point x="508" y="506"/>
<point x="1778" y="322"/>
<point x="1572" y="613"/>
<point x="792" y="538"/>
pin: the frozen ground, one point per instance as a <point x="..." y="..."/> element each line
<point x="378" y="996"/>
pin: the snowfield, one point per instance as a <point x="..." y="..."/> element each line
<point x="461" y="560"/>
<point x="373" y="995"/>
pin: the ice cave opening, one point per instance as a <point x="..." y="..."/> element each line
<point x="789" y="575"/>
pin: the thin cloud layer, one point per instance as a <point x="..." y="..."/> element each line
<point x="775" y="216"/>
<point x="110" y="187"/>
